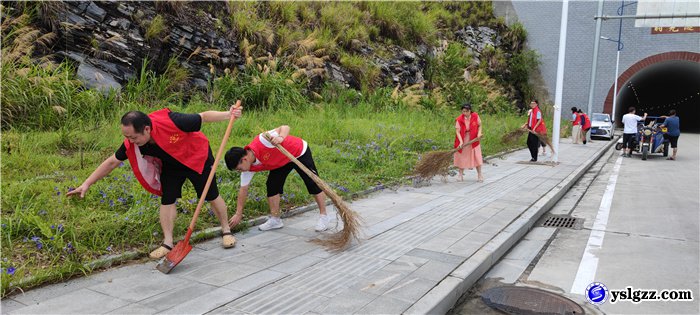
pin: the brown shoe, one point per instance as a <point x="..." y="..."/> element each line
<point x="227" y="240"/>
<point x="160" y="252"/>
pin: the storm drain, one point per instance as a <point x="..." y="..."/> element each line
<point x="531" y="301"/>
<point x="560" y="221"/>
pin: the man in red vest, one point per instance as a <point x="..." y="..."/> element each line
<point x="164" y="149"/>
<point x="261" y="155"/>
<point x="535" y="122"/>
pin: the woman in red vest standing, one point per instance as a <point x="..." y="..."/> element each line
<point x="468" y="127"/>
<point x="535" y="122"/>
<point x="576" y="125"/>
<point x="164" y="149"/>
<point x="261" y="155"/>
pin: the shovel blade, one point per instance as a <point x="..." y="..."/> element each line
<point x="174" y="257"/>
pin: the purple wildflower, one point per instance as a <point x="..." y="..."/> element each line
<point x="109" y="248"/>
<point x="11" y="271"/>
<point x="60" y="227"/>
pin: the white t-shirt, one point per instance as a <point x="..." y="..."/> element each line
<point x="247" y="176"/>
<point x="630" y="122"/>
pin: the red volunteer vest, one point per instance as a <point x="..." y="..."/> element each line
<point x="189" y="148"/>
<point x="271" y="158"/>
<point x="577" y="120"/>
<point x="532" y="121"/>
<point x="587" y="123"/>
<point x="473" y="129"/>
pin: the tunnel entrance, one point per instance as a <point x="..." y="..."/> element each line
<point x="660" y="87"/>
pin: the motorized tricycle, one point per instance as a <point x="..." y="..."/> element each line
<point x="650" y="138"/>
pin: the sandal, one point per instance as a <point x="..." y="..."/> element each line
<point x="671" y="158"/>
<point x="227" y="240"/>
<point x="160" y="252"/>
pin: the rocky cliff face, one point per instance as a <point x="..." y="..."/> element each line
<point x="109" y="41"/>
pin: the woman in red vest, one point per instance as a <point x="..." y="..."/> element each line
<point x="576" y="125"/>
<point x="262" y="155"/>
<point x="535" y="122"/>
<point x="468" y="127"/>
<point x="164" y="149"/>
<point x="585" y="125"/>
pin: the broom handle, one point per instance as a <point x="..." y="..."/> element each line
<point x="211" y="174"/>
<point x="465" y="144"/>
<point x="331" y="194"/>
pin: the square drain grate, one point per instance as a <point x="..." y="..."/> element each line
<point x="562" y="221"/>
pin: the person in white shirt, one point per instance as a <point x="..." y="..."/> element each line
<point x="630" y="121"/>
<point x="262" y="155"/>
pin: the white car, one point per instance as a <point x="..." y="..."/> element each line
<point x="602" y="126"/>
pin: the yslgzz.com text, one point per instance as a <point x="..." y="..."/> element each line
<point x="638" y="295"/>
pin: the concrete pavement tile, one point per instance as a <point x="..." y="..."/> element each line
<point x="138" y="286"/>
<point x="134" y="309"/>
<point x="220" y="273"/>
<point x="438" y="244"/>
<point x="385" y="305"/>
<point x="405" y="264"/>
<point x="295" y="264"/>
<point x="410" y="289"/>
<point x="205" y="303"/>
<point x="434" y="270"/>
<point x="76" y="302"/>
<point x="274" y="299"/>
<point x="403" y="238"/>
<point x="175" y="296"/>
<point x="433" y="255"/>
<point x="346" y="302"/>
<point x="52" y="291"/>
<point x="256" y="281"/>
<point x="378" y="282"/>
<point x="9" y="305"/>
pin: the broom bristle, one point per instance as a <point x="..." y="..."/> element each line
<point x="351" y="223"/>
<point x="513" y="135"/>
<point x="434" y="163"/>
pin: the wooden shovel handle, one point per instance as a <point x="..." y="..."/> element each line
<point x="219" y="153"/>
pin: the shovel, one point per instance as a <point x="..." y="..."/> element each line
<point x="183" y="247"/>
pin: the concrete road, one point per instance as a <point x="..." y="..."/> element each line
<point x="640" y="231"/>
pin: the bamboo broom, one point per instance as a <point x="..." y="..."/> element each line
<point x="351" y="219"/>
<point x="437" y="162"/>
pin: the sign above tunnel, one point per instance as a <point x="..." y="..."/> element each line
<point x="675" y="30"/>
<point x="678" y="9"/>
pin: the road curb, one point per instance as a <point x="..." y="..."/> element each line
<point x="441" y="298"/>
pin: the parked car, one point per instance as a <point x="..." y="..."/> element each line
<point x="602" y="126"/>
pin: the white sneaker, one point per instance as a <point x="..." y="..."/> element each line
<point x="322" y="224"/>
<point x="271" y="224"/>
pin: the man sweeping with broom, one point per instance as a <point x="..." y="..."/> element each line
<point x="164" y="149"/>
<point x="262" y="155"/>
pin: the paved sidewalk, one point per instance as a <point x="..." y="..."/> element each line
<point x="422" y="248"/>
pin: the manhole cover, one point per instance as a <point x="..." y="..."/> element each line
<point x="561" y="221"/>
<point x="525" y="300"/>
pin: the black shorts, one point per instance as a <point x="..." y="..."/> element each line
<point x="277" y="177"/>
<point x="172" y="181"/>
<point x="627" y="140"/>
<point x="673" y="140"/>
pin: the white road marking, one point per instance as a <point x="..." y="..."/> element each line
<point x="589" y="262"/>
